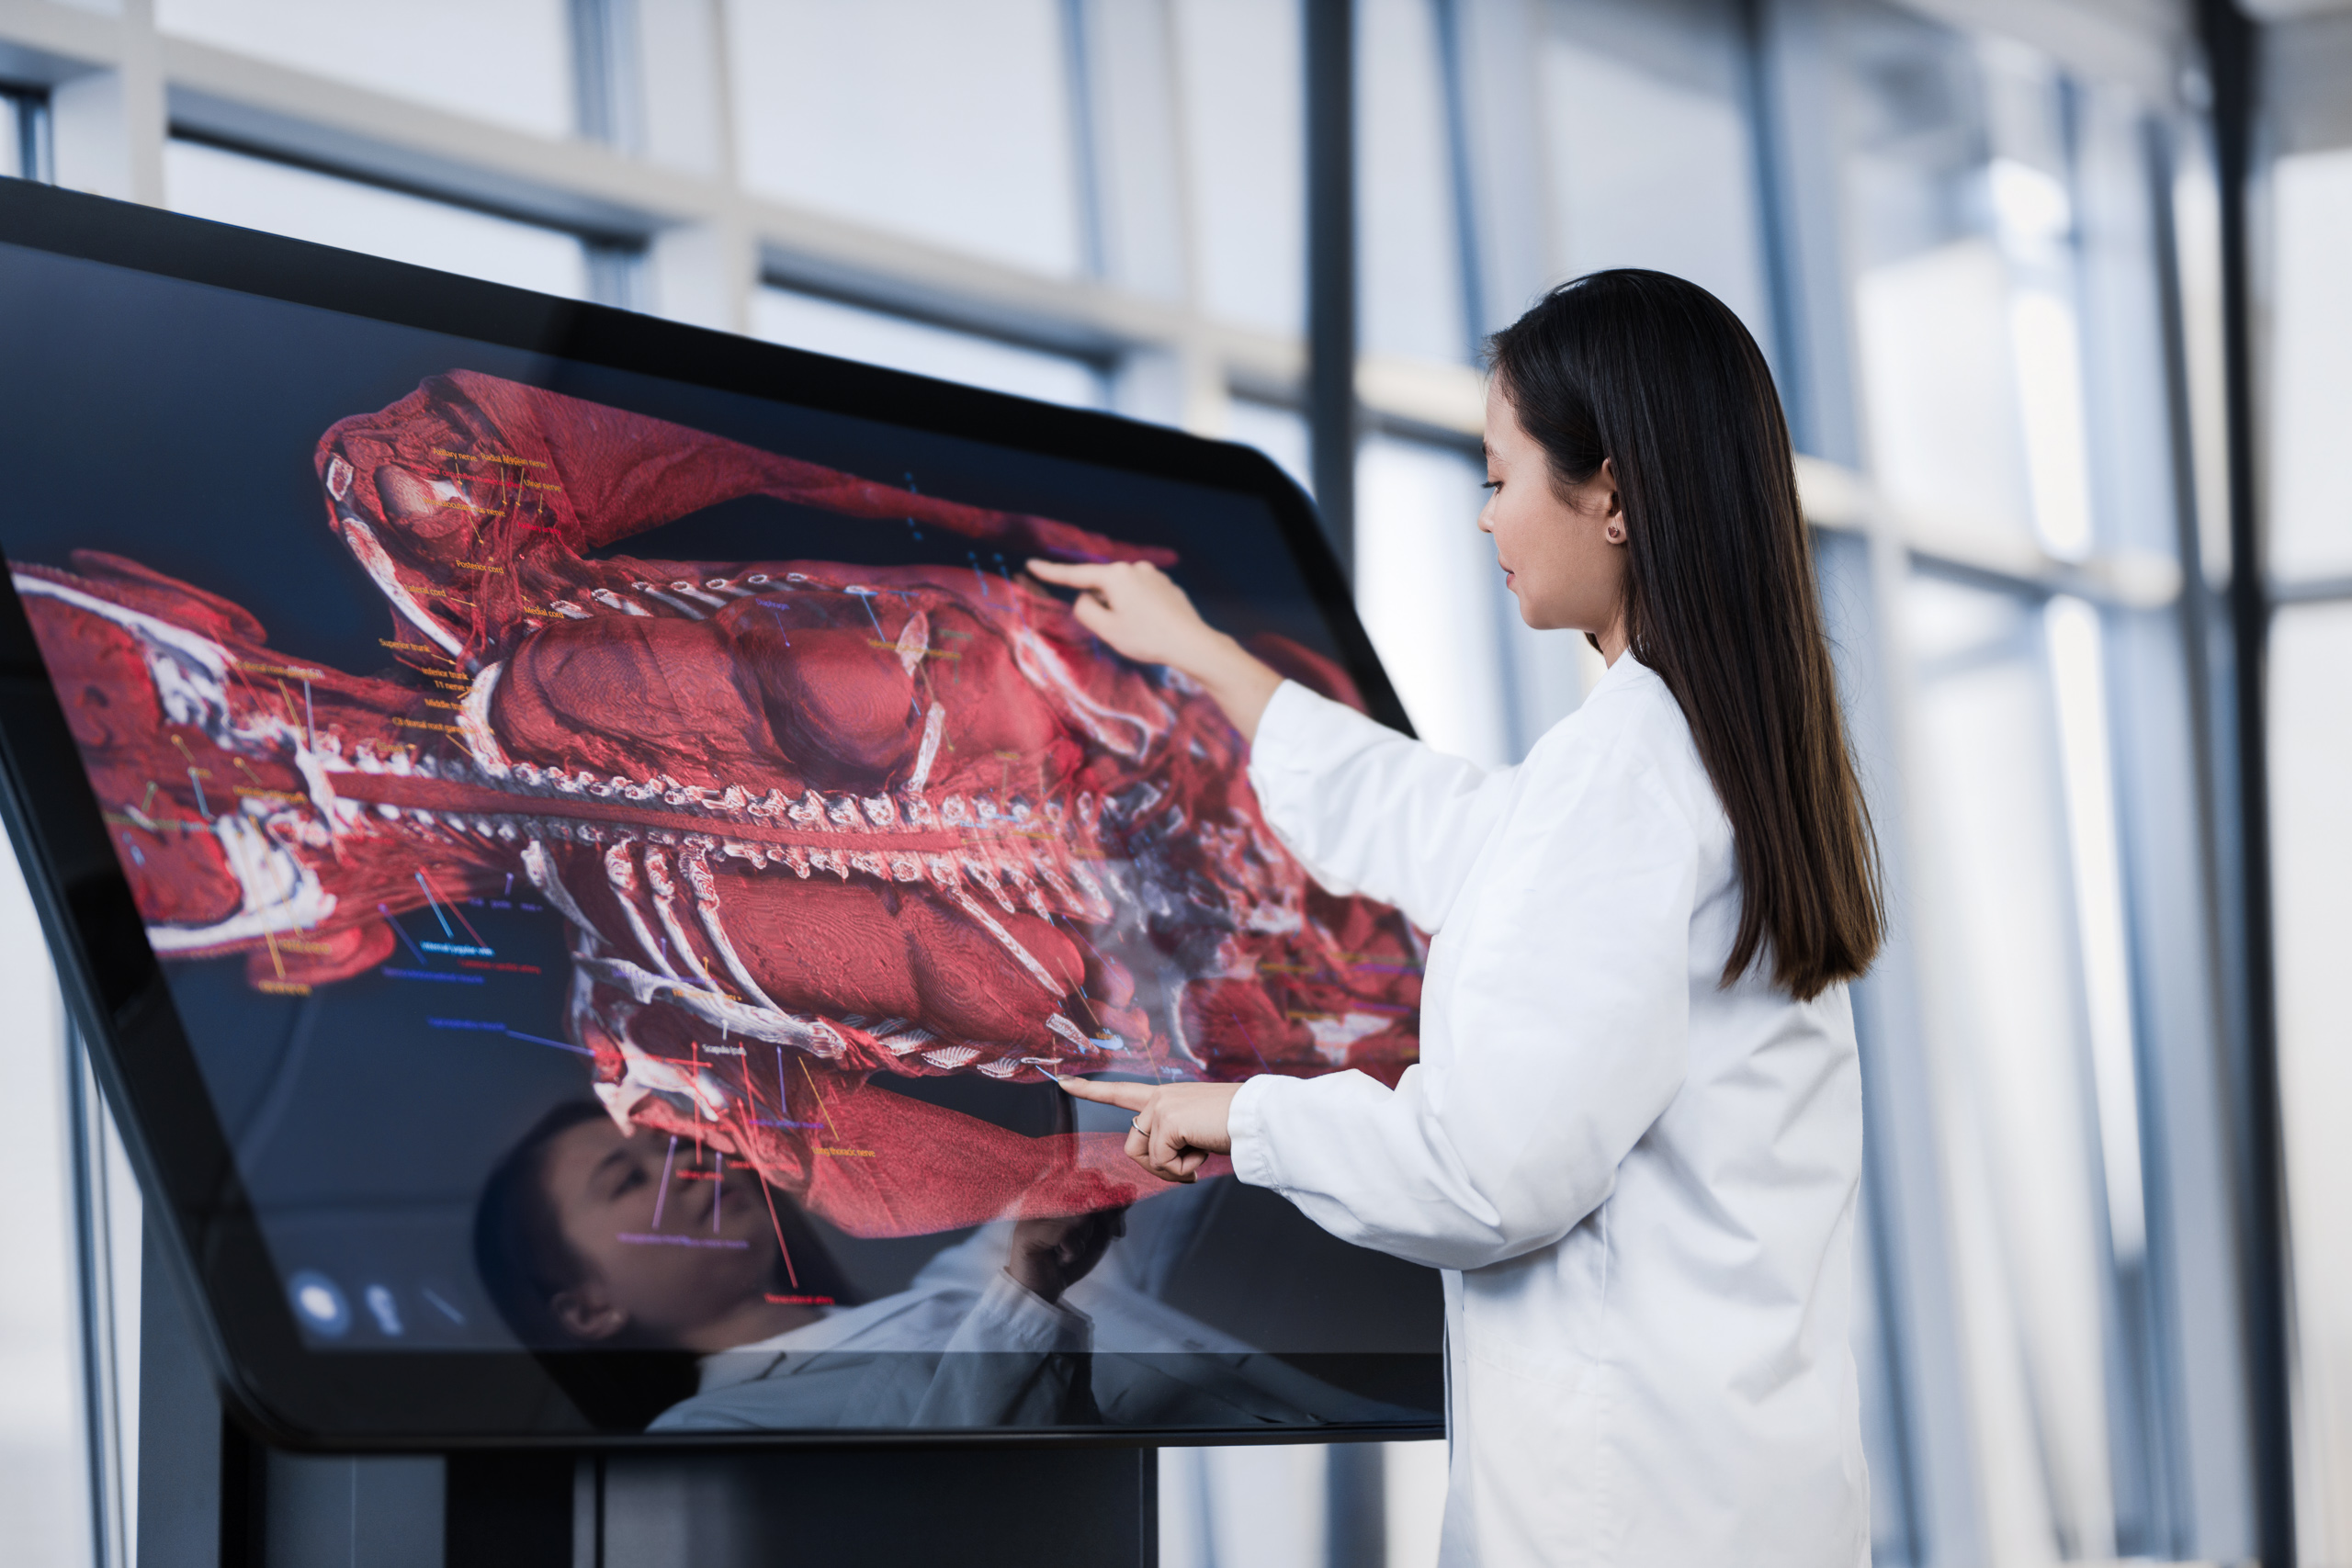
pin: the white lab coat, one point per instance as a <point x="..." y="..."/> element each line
<point x="1640" y="1184"/>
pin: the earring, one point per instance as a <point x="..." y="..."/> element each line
<point x="1616" y="536"/>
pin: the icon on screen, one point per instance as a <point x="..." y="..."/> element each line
<point x="320" y="1303"/>
<point x="384" y="1309"/>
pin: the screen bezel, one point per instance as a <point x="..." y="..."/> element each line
<point x="112" y="981"/>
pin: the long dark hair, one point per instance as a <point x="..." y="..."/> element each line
<point x="1656" y="377"/>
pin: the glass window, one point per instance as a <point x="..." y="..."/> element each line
<point x="1942" y="408"/>
<point x="1426" y="586"/>
<point x="2311" y="759"/>
<point x="1642" y="99"/>
<point x="846" y="331"/>
<point x="1959" y="179"/>
<point x="1408" y="225"/>
<point x="1279" y="432"/>
<point x="2308" y="552"/>
<point x="510" y="63"/>
<point x="42" y="1476"/>
<point x="1242" y="63"/>
<point x="1999" y="902"/>
<point x="257" y="193"/>
<point x="948" y="121"/>
<point x="1413" y="1482"/>
<point x="23" y="124"/>
<point x="1236" y="1508"/>
<point x="1544" y="674"/>
<point x="2311" y="358"/>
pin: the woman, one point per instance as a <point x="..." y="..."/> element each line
<point x="1634" y="1138"/>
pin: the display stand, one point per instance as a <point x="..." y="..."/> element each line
<point x="1021" y="1508"/>
<point x="211" y="1496"/>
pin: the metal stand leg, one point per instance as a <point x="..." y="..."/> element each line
<point x="180" y="1499"/>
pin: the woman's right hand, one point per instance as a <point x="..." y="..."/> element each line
<point x="1133" y="606"/>
<point x="1047" y="1257"/>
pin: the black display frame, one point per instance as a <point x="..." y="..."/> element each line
<point x="350" y="1401"/>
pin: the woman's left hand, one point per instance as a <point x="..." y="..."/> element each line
<point x="1177" y="1125"/>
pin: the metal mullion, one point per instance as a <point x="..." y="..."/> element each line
<point x="2229" y="41"/>
<point x="269" y="153"/>
<point x="1085" y="137"/>
<point x="1470" y="252"/>
<point x="27" y="128"/>
<point x="1078" y="343"/>
<point x="1975" y="574"/>
<point x="1847" y="569"/>
<point x="36" y="144"/>
<point x="608" y="107"/>
<point x="2142" y="1474"/>
<point x="1332" y="411"/>
<point x="2140" y="1498"/>
<point x="1454" y="89"/>
<point x="1786" y="352"/>
<point x="613" y="262"/>
<point x="93" y="1294"/>
<point x="2192" y="623"/>
<point x="2315" y="591"/>
<point x="606" y="76"/>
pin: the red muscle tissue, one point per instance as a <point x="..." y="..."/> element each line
<point x="807" y="821"/>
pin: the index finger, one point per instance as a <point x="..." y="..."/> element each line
<point x="1126" y="1095"/>
<point x="1073" y="574"/>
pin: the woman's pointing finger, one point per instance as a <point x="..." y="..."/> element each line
<point x="1126" y="1095"/>
<point x="1068" y="574"/>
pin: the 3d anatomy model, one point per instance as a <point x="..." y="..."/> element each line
<point x="807" y="821"/>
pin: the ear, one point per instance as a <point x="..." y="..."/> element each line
<point x="585" y="1311"/>
<point x="1616" y="500"/>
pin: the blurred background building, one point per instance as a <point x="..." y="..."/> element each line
<point x="2059" y="295"/>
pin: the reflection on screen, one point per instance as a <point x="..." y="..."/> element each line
<point x="795" y="881"/>
<point x="1037" y="1322"/>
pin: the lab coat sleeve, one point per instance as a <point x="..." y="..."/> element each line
<point x="1367" y="810"/>
<point x="1010" y="1317"/>
<point x="1569" y="1020"/>
<point x="1015" y="1361"/>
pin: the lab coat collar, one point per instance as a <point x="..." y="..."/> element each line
<point x="1626" y="673"/>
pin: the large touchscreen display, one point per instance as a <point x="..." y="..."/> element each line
<point x="631" y="858"/>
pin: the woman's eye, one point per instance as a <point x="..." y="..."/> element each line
<point x="1490" y="484"/>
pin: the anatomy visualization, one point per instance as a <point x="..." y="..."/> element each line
<point x="807" y="821"/>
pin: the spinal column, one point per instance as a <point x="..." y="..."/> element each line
<point x="855" y="818"/>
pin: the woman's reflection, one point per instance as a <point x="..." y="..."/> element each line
<point x="587" y="1238"/>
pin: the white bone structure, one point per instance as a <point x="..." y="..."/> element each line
<point x="656" y="863"/>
